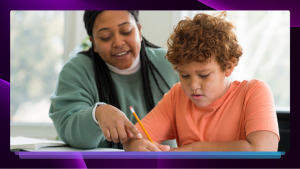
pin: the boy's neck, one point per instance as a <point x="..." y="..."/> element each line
<point x="227" y="86"/>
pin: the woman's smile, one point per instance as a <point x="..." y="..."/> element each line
<point x="121" y="55"/>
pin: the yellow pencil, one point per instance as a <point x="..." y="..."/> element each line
<point x="138" y="120"/>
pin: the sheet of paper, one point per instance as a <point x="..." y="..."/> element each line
<point x="62" y="149"/>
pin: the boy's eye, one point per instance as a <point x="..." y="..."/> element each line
<point x="204" y="75"/>
<point x="184" y="76"/>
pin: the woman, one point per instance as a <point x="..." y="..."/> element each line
<point x="90" y="105"/>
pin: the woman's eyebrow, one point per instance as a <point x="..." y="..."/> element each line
<point x="109" y="28"/>
<point x="123" y="23"/>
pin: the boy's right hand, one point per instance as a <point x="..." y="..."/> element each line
<point x="135" y="144"/>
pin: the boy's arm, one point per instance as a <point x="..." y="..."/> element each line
<point x="256" y="141"/>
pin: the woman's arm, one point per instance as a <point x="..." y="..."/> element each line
<point x="256" y="141"/>
<point x="72" y="103"/>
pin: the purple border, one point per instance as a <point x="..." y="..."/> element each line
<point x="10" y="160"/>
<point x="291" y="5"/>
<point x="151" y="155"/>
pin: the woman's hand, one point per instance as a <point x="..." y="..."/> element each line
<point x="144" y="145"/>
<point x="115" y="125"/>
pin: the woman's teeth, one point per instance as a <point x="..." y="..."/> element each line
<point x="120" y="54"/>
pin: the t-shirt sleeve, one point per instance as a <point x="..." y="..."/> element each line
<point x="158" y="123"/>
<point x="260" y="111"/>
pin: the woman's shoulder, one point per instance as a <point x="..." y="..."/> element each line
<point x="157" y="56"/>
<point x="156" y="51"/>
<point x="79" y="64"/>
<point x="79" y="61"/>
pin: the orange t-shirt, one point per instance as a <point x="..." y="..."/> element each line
<point x="246" y="107"/>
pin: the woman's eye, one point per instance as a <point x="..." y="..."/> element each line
<point x="184" y="76"/>
<point x="105" y="38"/>
<point x="126" y="33"/>
<point x="203" y="75"/>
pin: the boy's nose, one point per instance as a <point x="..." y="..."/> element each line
<point x="195" y="85"/>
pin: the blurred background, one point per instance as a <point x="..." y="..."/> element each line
<point x="42" y="41"/>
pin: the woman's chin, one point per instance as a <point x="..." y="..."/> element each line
<point x="124" y="67"/>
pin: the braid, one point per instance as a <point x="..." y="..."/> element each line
<point x="105" y="86"/>
<point x="145" y="76"/>
<point x="149" y="44"/>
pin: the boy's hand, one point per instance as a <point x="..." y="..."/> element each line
<point x="135" y="144"/>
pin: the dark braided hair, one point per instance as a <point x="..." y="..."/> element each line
<point x="105" y="85"/>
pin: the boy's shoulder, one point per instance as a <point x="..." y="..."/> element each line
<point x="250" y="86"/>
<point x="253" y="83"/>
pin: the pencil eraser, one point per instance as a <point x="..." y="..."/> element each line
<point x="130" y="107"/>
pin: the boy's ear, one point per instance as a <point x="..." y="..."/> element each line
<point x="229" y="68"/>
<point x="92" y="40"/>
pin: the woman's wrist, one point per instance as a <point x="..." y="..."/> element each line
<point x="97" y="105"/>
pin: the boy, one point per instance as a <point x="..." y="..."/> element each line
<point x="206" y="111"/>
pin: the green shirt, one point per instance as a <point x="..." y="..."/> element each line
<point x="76" y="94"/>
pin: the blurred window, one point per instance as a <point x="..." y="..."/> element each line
<point x="36" y="58"/>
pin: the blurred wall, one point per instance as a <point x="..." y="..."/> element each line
<point x="156" y="26"/>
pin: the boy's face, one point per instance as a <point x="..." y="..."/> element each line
<point x="203" y="83"/>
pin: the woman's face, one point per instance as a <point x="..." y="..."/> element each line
<point x="203" y="83"/>
<point x="117" y="38"/>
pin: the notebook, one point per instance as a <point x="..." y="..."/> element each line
<point x="32" y="143"/>
<point x="37" y="145"/>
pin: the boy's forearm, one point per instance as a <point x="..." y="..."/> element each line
<point x="241" y="145"/>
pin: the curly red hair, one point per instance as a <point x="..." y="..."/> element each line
<point x="197" y="39"/>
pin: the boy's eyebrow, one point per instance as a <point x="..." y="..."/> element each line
<point x="204" y="70"/>
<point x="109" y="28"/>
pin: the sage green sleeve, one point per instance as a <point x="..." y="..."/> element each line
<point x="72" y="103"/>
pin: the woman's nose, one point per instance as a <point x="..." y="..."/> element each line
<point x="118" y="42"/>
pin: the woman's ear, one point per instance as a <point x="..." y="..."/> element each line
<point x="140" y="30"/>
<point x="92" y="40"/>
<point x="230" y="68"/>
